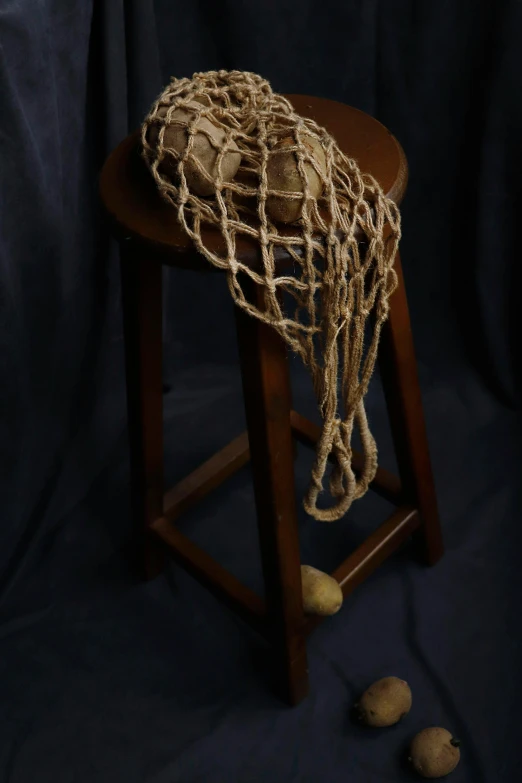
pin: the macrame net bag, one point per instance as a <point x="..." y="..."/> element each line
<point x="342" y="245"/>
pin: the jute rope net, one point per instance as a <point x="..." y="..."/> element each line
<point x="342" y="249"/>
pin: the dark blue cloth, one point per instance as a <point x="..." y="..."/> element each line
<point x="103" y="679"/>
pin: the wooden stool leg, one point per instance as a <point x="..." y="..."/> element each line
<point x="142" y="318"/>
<point x="266" y="387"/>
<point x="403" y="397"/>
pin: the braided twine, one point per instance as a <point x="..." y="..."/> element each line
<point x="343" y="249"/>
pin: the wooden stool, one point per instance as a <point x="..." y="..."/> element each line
<point x="150" y="237"/>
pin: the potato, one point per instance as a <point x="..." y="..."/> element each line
<point x="385" y="702"/>
<point x="321" y="593"/>
<point x="175" y="138"/>
<point x="283" y="174"/>
<point x="434" y="752"/>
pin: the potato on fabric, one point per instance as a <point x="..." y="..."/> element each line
<point x="385" y="702"/>
<point x="434" y="752"/>
<point x="322" y="594"/>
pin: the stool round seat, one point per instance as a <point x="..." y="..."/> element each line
<point x="136" y="209"/>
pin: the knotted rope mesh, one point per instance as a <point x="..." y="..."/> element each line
<point x="342" y="247"/>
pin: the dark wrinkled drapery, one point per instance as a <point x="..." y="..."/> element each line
<point x="103" y="679"/>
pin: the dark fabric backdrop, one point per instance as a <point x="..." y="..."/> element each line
<point x="103" y="679"/>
